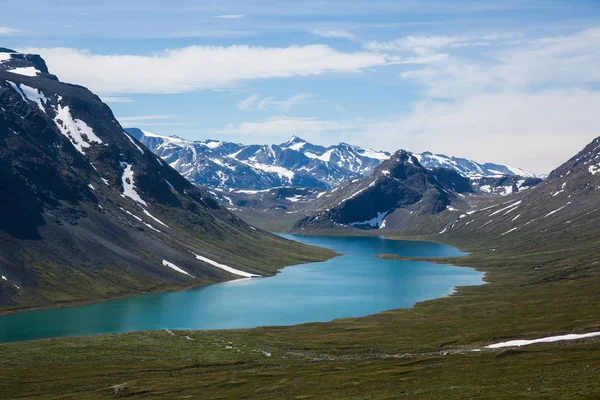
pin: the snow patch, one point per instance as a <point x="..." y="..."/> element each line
<point x="549" y="339"/>
<point x="175" y="267"/>
<point x="76" y="130"/>
<point x="555" y="211"/>
<point x="512" y="230"/>
<point x="25" y="71"/>
<point x="227" y="268"/>
<point x="513" y="205"/>
<point x="213" y="145"/>
<point x="375" y="222"/>
<point x="32" y="94"/>
<point x="133" y="142"/>
<point x="129" y="185"/>
<point x="154" y="218"/>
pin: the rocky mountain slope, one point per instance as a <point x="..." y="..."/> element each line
<point x="297" y="162"/>
<point x="565" y="207"/>
<point x="87" y="212"/>
<point x="567" y="203"/>
<point x="399" y="183"/>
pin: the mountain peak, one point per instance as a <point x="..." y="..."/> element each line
<point x="295" y="143"/>
<point x="295" y="139"/>
<point x="24" y="64"/>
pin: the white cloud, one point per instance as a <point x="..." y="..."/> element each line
<point x="6" y="31"/>
<point x="199" y="67"/>
<point x="536" y="131"/>
<point x="568" y="61"/>
<point x="110" y="99"/>
<point x="247" y="103"/>
<point x="229" y="16"/>
<point x="530" y="103"/>
<point x="333" y="33"/>
<point x="419" y="44"/>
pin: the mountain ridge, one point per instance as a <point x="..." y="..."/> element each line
<point x="296" y="162"/>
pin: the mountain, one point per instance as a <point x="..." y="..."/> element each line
<point x="503" y="185"/>
<point x="24" y="64"/>
<point x="230" y="165"/>
<point x="470" y="168"/>
<point x="398" y="183"/>
<point x="297" y="162"/>
<point x="87" y="212"/>
<point x="564" y="205"/>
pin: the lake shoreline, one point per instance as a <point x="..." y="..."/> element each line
<point x="159" y="289"/>
<point x="445" y="284"/>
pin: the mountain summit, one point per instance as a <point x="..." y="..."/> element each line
<point x="398" y="183"/>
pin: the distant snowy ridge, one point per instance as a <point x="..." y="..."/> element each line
<point x="469" y="168"/>
<point x="296" y="162"/>
<point x="229" y="165"/>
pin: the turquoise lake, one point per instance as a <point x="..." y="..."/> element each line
<point x="352" y="285"/>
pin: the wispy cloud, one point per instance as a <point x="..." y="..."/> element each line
<point x="285" y="105"/>
<point x="229" y="16"/>
<point x="110" y="99"/>
<point x="269" y="103"/>
<point x="247" y="103"/>
<point x="564" y="61"/>
<point x="275" y="128"/>
<point x="6" y="31"/>
<point x="333" y="33"/>
<point x="200" y="67"/>
<point x="413" y="43"/>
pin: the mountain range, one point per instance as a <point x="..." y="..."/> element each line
<point x="226" y="165"/>
<point x="405" y="198"/>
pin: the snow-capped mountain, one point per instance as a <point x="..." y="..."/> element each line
<point x="24" y="64"/>
<point x="299" y="163"/>
<point x="564" y="205"/>
<point x="470" y="168"/>
<point x="400" y="183"/>
<point x="258" y="167"/>
<point x="88" y="212"/>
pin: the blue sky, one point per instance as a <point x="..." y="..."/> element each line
<point x="515" y="82"/>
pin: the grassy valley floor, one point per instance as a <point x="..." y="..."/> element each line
<point x="427" y="352"/>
